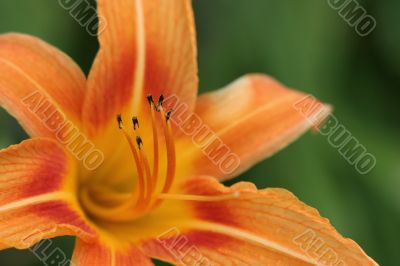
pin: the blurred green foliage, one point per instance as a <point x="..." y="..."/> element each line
<point x="308" y="46"/>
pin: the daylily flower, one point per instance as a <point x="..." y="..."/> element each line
<point x="149" y="188"/>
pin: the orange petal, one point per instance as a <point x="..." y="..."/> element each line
<point x="147" y="47"/>
<point x="36" y="202"/>
<point x="39" y="85"/>
<point x="244" y="123"/>
<point x="90" y="254"/>
<point x="265" y="227"/>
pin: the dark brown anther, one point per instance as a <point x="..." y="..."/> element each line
<point x="139" y="142"/>
<point x="135" y="122"/>
<point x="150" y="99"/>
<point x="160" y="102"/>
<point x="119" y="120"/>
<point x="168" y="115"/>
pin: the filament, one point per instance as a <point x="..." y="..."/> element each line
<point x="155" y="145"/>
<point x="144" y="198"/>
<point x="201" y="198"/>
<point x="171" y="156"/>
<point x="139" y="168"/>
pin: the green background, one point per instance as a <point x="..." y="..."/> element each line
<point x="308" y="46"/>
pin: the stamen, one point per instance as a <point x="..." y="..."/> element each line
<point x="151" y="102"/>
<point x="119" y="120"/>
<point x="160" y="102"/>
<point x="135" y="122"/>
<point x="144" y="196"/>
<point x="202" y="198"/>
<point x="139" y="142"/>
<point x="139" y="167"/>
<point x="148" y="180"/>
<point x="150" y="99"/>
<point x="171" y="163"/>
<point x="168" y="115"/>
<point x="155" y="146"/>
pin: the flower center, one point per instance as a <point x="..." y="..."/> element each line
<point x="153" y="182"/>
<point x="151" y="185"/>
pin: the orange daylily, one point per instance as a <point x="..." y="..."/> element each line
<point x="134" y="191"/>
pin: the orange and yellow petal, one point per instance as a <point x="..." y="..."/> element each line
<point x="147" y="47"/>
<point x="242" y="124"/>
<point x="257" y="227"/>
<point x="99" y="254"/>
<point x="36" y="195"/>
<point x="39" y="85"/>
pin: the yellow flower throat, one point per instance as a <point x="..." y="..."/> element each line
<point x="152" y="188"/>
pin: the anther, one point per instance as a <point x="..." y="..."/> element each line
<point x="139" y="142"/>
<point x="135" y="122"/>
<point x="150" y="99"/>
<point x="168" y="115"/>
<point x="119" y="120"/>
<point x="160" y="102"/>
